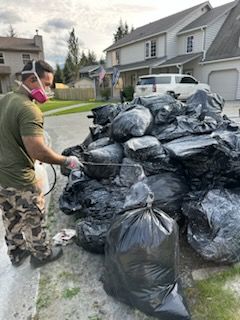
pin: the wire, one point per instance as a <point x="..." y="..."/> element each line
<point x="54" y="181"/>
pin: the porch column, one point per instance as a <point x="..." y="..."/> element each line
<point x="238" y="85"/>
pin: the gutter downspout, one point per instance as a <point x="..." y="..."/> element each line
<point x="180" y="68"/>
<point x="203" y="29"/>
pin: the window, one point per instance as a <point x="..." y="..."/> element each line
<point x="1" y="58"/>
<point x="150" y="49"/>
<point x="190" y="44"/>
<point x="26" y="58"/>
<point x="186" y="80"/>
<point x="116" y="57"/>
<point x="163" y="80"/>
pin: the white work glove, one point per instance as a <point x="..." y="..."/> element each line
<point x="72" y="163"/>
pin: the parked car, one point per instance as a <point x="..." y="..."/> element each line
<point x="179" y="85"/>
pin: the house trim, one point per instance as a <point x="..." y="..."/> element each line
<point x="210" y="22"/>
<point x="158" y="33"/>
<point x="219" y="60"/>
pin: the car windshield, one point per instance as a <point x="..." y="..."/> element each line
<point x="145" y="81"/>
<point x="154" y="80"/>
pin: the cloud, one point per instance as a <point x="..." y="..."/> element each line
<point x="9" y="16"/>
<point x="56" y="24"/>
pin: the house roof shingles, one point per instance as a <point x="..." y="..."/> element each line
<point x="18" y="44"/>
<point x="226" y="43"/>
<point x="208" y="17"/>
<point x="181" y="59"/>
<point x="156" y="27"/>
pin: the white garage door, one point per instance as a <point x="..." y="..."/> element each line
<point x="224" y="83"/>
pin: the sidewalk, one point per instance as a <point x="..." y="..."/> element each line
<point x="47" y="113"/>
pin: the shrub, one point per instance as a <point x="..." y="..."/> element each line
<point x="105" y="93"/>
<point x="128" y="92"/>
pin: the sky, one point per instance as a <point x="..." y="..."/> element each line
<point x="94" y="22"/>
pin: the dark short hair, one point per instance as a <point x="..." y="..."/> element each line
<point x="41" y="67"/>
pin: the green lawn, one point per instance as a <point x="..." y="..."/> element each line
<point x="211" y="300"/>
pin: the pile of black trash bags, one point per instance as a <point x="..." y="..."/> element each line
<point x="149" y="166"/>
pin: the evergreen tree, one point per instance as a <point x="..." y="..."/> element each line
<point x="84" y="59"/>
<point x="92" y="58"/>
<point x="68" y="70"/>
<point x="58" y="76"/>
<point x="11" y="32"/>
<point x="122" y="30"/>
<point x="101" y="60"/>
<point x="74" y="54"/>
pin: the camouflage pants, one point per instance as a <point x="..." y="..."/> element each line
<point x="24" y="220"/>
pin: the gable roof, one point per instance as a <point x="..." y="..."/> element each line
<point x="226" y="43"/>
<point x="88" y="69"/>
<point x="208" y="17"/>
<point x="181" y="59"/>
<point x="18" y="44"/>
<point x="156" y="27"/>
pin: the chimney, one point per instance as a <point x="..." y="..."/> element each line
<point x="39" y="43"/>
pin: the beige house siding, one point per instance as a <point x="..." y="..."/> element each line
<point x="213" y="29"/>
<point x="172" y="39"/>
<point x="13" y="50"/>
<point x="197" y="42"/>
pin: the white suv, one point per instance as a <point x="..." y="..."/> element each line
<point x="180" y="85"/>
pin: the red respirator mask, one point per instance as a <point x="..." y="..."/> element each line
<point x="38" y="94"/>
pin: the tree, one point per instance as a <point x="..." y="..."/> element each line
<point x="11" y="32"/>
<point x="68" y="70"/>
<point x="58" y="76"/>
<point x="122" y="30"/>
<point x="92" y="58"/>
<point x="84" y="59"/>
<point x="101" y="60"/>
<point x="73" y="55"/>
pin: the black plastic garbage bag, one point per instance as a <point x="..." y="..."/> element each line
<point x="130" y="173"/>
<point x="91" y="234"/>
<point x="70" y="199"/>
<point x="163" y="107"/>
<point x="97" y="131"/>
<point x="208" y="160"/>
<point x="102" y="142"/>
<point x="133" y="122"/>
<point x="184" y="126"/>
<point x="106" y="113"/>
<point x="110" y="154"/>
<point x="102" y="201"/>
<point x="204" y="103"/>
<point x="189" y="146"/>
<point x="169" y="190"/>
<point x="143" y="148"/>
<point x="214" y="224"/>
<point x="141" y="263"/>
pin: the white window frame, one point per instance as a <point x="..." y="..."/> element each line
<point x="150" y="51"/>
<point x="2" y="58"/>
<point x="24" y="60"/>
<point x="190" y="41"/>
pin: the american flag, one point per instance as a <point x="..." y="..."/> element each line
<point x="115" y="76"/>
<point x="101" y="74"/>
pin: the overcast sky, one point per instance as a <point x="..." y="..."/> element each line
<point x="94" y="21"/>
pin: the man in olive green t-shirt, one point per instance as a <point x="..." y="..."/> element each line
<point x="21" y="143"/>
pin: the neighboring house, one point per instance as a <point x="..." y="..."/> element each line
<point x="89" y="78"/>
<point x="201" y="41"/>
<point x="14" y="54"/>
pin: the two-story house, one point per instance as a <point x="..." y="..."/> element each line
<point x="14" y="54"/>
<point x="202" y="41"/>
